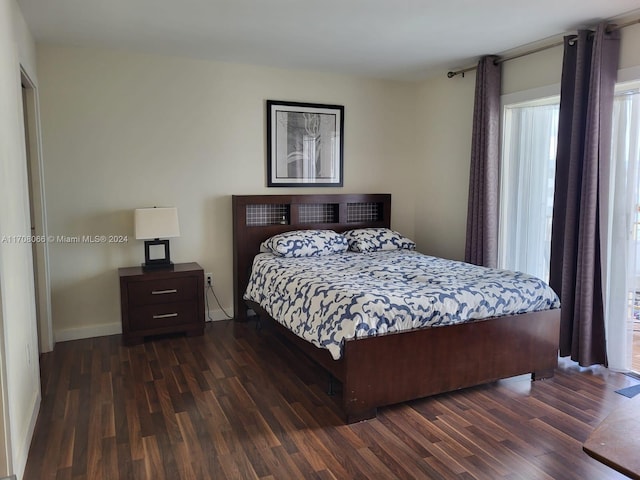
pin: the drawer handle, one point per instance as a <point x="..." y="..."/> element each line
<point x="164" y="292"/>
<point x="166" y="315"/>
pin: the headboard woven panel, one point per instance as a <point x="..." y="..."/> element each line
<point x="318" y="213"/>
<point x="363" y="212"/>
<point x="268" y="214"/>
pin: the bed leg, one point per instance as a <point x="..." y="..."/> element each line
<point x="542" y="374"/>
<point x="354" y="417"/>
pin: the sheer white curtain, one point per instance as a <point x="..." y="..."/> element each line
<point x="620" y="270"/>
<point x="526" y="204"/>
<point x="527" y="183"/>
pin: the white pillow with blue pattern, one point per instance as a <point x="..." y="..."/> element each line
<point x="305" y="243"/>
<point x="376" y="239"/>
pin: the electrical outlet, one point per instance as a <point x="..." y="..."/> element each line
<point x="208" y="279"/>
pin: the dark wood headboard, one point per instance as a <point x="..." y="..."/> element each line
<point x="258" y="217"/>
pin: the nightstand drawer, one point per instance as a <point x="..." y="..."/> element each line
<point x="162" y="291"/>
<point x="163" y="315"/>
<point x="161" y="301"/>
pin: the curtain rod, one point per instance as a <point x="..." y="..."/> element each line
<point x="462" y="71"/>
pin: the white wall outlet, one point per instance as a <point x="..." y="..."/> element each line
<point x="208" y="279"/>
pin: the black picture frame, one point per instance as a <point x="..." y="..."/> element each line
<point x="305" y="144"/>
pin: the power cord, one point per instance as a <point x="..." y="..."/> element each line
<point x="206" y="298"/>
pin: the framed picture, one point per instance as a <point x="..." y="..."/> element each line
<point x="304" y="144"/>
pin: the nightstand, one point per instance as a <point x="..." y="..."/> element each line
<point x="161" y="301"/>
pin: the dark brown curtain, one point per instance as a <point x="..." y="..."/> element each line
<point x="482" y="210"/>
<point x="584" y="143"/>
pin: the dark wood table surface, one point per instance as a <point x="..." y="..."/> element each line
<point x="616" y="441"/>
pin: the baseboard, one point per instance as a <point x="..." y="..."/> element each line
<point x="23" y="453"/>
<point x="79" y="333"/>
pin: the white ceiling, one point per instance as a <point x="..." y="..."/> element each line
<point x="401" y="39"/>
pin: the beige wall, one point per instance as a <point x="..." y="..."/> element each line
<point x="21" y="383"/>
<point x="445" y="111"/>
<point x="122" y="131"/>
<point x="445" y="108"/>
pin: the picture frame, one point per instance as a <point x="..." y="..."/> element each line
<point x="305" y="144"/>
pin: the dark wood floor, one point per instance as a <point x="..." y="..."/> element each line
<point x="236" y="403"/>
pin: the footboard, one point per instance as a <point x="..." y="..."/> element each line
<point x="397" y="367"/>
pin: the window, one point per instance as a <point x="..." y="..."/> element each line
<point x="527" y="185"/>
<point x="526" y="208"/>
<point x="621" y="265"/>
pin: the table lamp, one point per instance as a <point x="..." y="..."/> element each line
<point x="152" y="224"/>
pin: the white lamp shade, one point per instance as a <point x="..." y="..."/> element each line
<point x="156" y="223"/>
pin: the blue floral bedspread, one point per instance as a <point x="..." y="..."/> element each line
<point x="329" y="299"/>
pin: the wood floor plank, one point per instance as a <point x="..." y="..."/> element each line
<point x="238" y="403"/>
<point x="153" y="461"/>
<point x="48" y="460"/>
<point x="403" y="462"/>
<point x="187" y="469"/>
<point x="65" y="457"/>
<point x="124" y="461"/>
<point x="81" y="437"/>
<point x="315" y="438"/>
<point x="94" y="445"/>
<point x="237" y="467"/>
<point x="110" y="469"/>
<point x="134" y="432"/>
<point x="167" y="410"/>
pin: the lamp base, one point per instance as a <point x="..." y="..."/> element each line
<point x="156" y="266"/>
<point x="156" y="255"/>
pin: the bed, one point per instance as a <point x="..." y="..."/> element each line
<point x="390" y="367"/>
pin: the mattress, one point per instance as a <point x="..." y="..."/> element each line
<point x="329" y="299"/>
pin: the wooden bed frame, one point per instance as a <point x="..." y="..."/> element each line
<point x="393" y="367"/>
